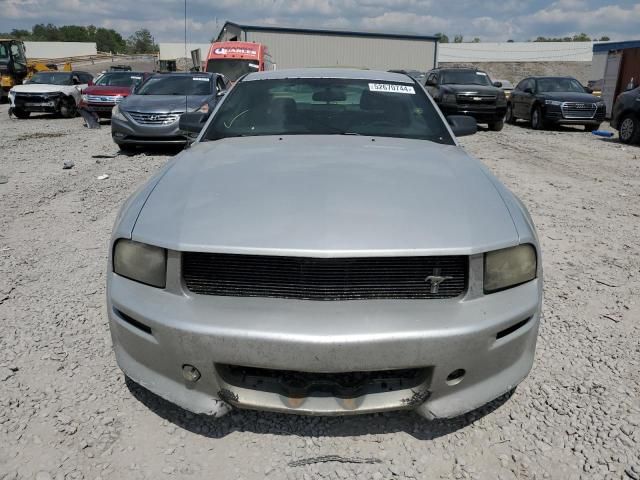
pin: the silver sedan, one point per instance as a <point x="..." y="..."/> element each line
<point x="325" y="247"/>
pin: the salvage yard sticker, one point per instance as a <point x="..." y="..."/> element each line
<point x="391" y="88"/>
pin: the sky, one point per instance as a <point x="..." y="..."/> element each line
<point x="490" y="20"/>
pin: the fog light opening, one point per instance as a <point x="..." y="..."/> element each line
<point x="455" y="377"/>
<point x="190" y="373"/>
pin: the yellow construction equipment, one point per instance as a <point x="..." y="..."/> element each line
<point x="15" y="68"/>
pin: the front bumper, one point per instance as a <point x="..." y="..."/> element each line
<point x="553" y="114"/>
<point x="127" y="132"/>
<point x="157" y="331"/>
<point x="482" y="114"/>
<point x="103" y="110"/>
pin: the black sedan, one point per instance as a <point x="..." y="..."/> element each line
<point x="550" y="101"/>
<point x="626" y="116"/>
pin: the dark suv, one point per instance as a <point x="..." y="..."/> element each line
<point x="467" y="91"/>
<point x="626" y="116"/>
<point x="550" y="101"/>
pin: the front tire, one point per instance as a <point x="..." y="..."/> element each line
<point x="23" y="114"/>
<point x="629" y="131"/>
<point x="496" y="126"/>
<point x="68" y="108"/>
<point x="510" y="117"/>
<point x="537" y="123"/>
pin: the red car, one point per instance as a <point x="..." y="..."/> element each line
<point x="108" y="90"/>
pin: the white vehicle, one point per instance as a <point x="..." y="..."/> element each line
<point x="51" y="92"/>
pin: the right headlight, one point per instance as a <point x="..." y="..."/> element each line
<point x="509" y="267"/>
<point x="553" y="102"/>
<point x="117" y="114"/>
<point x="140" y="262"/>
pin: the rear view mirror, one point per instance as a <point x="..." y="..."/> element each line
<point x="329" y="95"/>
<point x="192" y="122"/>
<point x="462" y="125"/>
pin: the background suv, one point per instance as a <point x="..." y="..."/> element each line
<point x="626" y="116"/>
<point x="547" y="101"/>
<point x="467" y="91"/>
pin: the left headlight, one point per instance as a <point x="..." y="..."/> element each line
<point x="117" y="114"/>
<point x="509" y="267"/>
<point x="140" y="262"/>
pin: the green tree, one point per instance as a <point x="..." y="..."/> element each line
<point x="74" y="33"/>
<point x="604" y="38"/>
<point x="581" y="37"/>
<point x="141" y="42"/>
<point x="46" y="33"/>
<point x="476" y="40"/>
<point x="442" y="38"/>
<point x="458" y="39"/>
<point x="108" y="40"/>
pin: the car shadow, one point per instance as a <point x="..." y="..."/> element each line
<point x="239" y="420"/>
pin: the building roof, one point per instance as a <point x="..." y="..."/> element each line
<point x="353" y="73"/>
<point x="347" y="33"/>
<point x="608" y="46"/>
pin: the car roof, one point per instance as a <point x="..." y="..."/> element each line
<point x="538" y="77"/>
<point x="188" y="74"/>
<point x="343" y="73"/>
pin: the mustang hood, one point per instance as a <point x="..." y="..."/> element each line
<point x="331" y="196"/>
<point x="162" y="103"/>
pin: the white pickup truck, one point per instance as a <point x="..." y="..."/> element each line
<point x="51" y="92"/>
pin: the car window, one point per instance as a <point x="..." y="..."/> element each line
<point x="325" y="106"/>
<point x="177" y="85"/>
<point x="550" y="85"/>
<point x="86" y="78"/>
<point x="51" y="78"/>
<point x="464" y="77"/>
<point x="119" y="79"/>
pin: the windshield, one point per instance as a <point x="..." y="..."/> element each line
<point x="52" y="78"/>
<point x="233" y="69"/>
<point x="177" y="85"/>
<point x="550" y="85"/>
<point x="464" y="77"/>
<point x="119" y="79"/>
<point x="327" y="106"/>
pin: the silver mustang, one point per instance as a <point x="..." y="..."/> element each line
<point x="325" y="247"/>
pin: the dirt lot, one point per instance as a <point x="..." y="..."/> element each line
<point x="66" y="411"/>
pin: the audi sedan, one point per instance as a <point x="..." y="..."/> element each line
<point x="150" y="115"/>
<point x="325" y="247"/>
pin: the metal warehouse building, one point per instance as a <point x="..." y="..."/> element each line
<point x="299" y="47"/>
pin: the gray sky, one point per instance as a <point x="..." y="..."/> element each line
<point x="491" y="20"/>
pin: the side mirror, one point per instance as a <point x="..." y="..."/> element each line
<point x="528" y="90"/>
<point x="192" y="122"/>
<point x="462" y="125"/>
<point x="430" y="83"/>
<point x="588" y="89"/>
<point x="497" y="84"/>
<point x="221" y="93"/>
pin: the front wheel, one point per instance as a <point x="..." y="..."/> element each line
<point x="629" y="130"/>
<point x="496" y="126"/>
<point x="509" y="117"/>
<point x="68" y="108"/>
<point x="18" y="112"/>
<point x="536" y="118"/>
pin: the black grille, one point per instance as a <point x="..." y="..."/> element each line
<point x="323" y="278"/>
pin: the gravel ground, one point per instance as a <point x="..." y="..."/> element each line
<point x="67" y="412"/>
